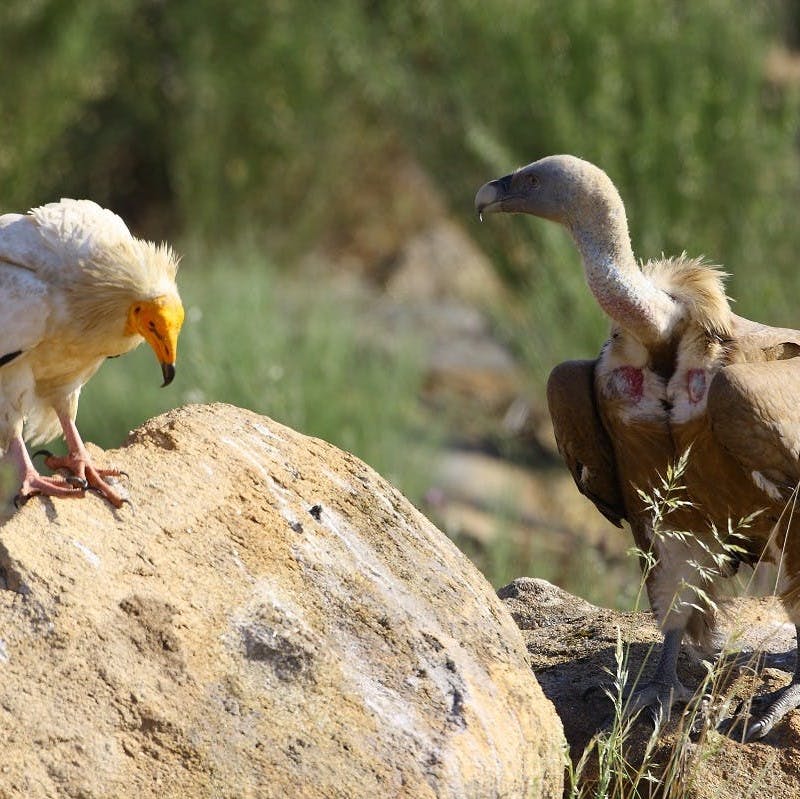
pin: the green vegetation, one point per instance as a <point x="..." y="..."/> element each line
<point x="210" y="118"/>
<point x="257" y="339"/>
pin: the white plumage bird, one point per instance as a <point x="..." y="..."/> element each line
<point x="75" y="288"/>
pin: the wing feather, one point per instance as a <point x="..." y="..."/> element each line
<point x="582" y="440"/>
<point x="21" y="245"/>
<point x="62" y="235"/>
<point x="754" y="404"/>
<point x="24" y="311"/>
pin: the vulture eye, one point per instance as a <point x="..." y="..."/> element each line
<point x="533" y="180"/>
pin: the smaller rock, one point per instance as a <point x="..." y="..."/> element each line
<point x="573" y="648"/>
<point x="537" y="603"/>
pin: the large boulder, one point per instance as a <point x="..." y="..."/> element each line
<point x="269" y="618"/>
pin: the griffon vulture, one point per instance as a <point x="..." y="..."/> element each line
<point x="75" y="288"/>
<point x="680" y="373"/>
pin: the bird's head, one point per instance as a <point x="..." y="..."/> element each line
<point x="158" y="321"/>
<point x="562" y="188"/>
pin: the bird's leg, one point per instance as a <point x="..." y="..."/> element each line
<point x="768" y="709"/>
<point x="664" y="689"/>
<point x="78" y="462"/>
<point x="32" y="483"/>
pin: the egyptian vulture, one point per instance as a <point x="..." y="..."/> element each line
<point x="680" y="375"/>
<point x="75" y="288"/>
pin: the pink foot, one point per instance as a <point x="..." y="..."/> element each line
<point x="33" y="484"/>
<point x="84" y="475"/>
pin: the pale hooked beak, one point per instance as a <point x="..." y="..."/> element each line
<point x="490" y="196"/>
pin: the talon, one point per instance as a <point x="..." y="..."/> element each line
<point x="754" y="722"/>
<point x="45" y="452"/>
<point x="21" y="499"/>
<point x="78" y="482"/>
<point x="755" y="731"/>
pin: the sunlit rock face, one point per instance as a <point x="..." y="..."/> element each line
<point x="269" y="618"/>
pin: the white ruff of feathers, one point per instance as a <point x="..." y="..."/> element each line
<point x="108" y="267"/>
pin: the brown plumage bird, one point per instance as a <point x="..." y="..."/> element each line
<point x="679" y="374"/>
<point x="75" y="288"/>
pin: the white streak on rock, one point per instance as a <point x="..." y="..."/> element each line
<point x="87" y="553"/>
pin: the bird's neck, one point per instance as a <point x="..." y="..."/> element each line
<point x="621" y="289"/>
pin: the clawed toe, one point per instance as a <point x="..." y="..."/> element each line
<point x="34" y="485"/>
<point x="21" y="499"/>
<point x="757" y="730"/>
<point x="653" y="702"/>
<point x="754" y="719"/>
<point x="107" y="492"/>
<point x="78" y="482"/>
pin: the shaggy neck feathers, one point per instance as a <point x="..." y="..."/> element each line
<point x="699" y="288"/>
<point x="99" y="266"/>
<point x="119" y="276"/>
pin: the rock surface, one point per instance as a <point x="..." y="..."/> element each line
<point x="572" y="646"/>
<point x="270" y="619"/>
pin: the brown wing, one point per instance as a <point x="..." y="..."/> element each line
<point x="753" y="342"/>
<point x="582" y="440"/>
<point x="754" y="404"/>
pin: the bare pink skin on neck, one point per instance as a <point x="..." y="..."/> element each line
<point x="618" y="284"/>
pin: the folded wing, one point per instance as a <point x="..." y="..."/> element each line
<point x="754" y="411"/>
<point x="582" y="440"/>
<point x="24" y="311"/>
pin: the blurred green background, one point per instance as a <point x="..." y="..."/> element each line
<point x="272" y="143"/>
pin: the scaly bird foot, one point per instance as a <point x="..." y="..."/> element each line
<point x="654" y="701"/>
<point x="33" y="484"/>
<point x="84" y="476"/>
<point x="755" y="719"/>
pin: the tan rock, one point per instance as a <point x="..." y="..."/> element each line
<point x="270" y="619"/>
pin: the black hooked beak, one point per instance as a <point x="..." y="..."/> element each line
<point x="168" y="370"/>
